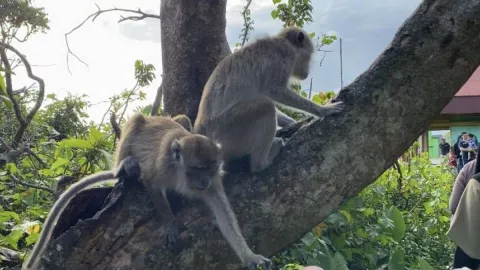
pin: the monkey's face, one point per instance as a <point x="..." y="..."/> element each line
<point x="302" y="66"/>
<point x="201" y="159"/>
<point x="304" y="50"/>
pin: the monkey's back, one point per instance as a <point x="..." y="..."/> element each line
<point x="146" y="138"/>
<point x="242" y="78"/>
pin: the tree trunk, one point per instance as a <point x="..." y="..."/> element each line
<point x="193" y="42"/>
<point x="323" y="164"/>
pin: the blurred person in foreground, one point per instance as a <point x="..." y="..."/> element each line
<point x="465" y="224"/>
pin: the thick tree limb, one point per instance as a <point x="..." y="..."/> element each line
<point x="24" y="121"/>
<point x="323" y="164"/>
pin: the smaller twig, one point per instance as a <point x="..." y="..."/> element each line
<point x="94" y="16"/>
<point x="33" y="154"/>
<point x="157" y="101"/>
<point x="18" y="181"/>
<point x="116" y="128"/>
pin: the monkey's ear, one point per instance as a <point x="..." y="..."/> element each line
<point x="176" y="149"/>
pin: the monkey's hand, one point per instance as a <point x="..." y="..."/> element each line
<point x="333" y="108"/>
<point x="172" y="237"/>
<point x="129" y="169"/>
<point x="254" y="260"/>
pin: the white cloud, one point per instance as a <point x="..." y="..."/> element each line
<point x="110" y="49"/>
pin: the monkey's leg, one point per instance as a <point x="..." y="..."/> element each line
<point x="266" y="147"/>
<point x="217" y="201"/>
<point x="289" y="98"/>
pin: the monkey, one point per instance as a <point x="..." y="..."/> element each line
<point x="169" y="157"/>
<point x="237" y="107"/>
<point x="184" y="121"/>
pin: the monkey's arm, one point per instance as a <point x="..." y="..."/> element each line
<point x="218" y="202"/>
<point x="284" y="120"/>
<point x="164" y="211"/>
<point x="289" y="98"/>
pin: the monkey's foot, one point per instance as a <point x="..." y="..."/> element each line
<point x="255" y="260"/>
<point x="129" y="168"/>
<point x="172" y="237"/>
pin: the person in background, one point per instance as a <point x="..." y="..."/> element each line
<point x="473" y="145"/>
<point x="458" y="153"/>
<point x="465" y="226"/>
<point x="464" y="146"/>
<point x="444" y="148"/>
<point x="452" y="158"/>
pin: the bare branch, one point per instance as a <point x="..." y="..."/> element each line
<point x="246" y="21"/>
<point x="9" y="86"/>
<point x="157" y="101"/>
<point x="140" y="16"/>
<point x="18" y="181"/>
<point x="41" y="93"/>
<point x="116" y="128"/>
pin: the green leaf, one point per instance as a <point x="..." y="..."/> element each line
<point x="346" y="215"/>
<point x="32" y="238"/>
<point x="308" y="239"/>
<point x="398" y="222"/>
<point x="3" y="88"/>
<point x="339" y="262"/>
<point x="274" y="14"/>
<point x="276" y="1"/>
<point x="107" y="157"/>
<point x="7" y="101"/>
<point x="13" y="237"/>
<point x="95" y="136"/>
<point x="397" y="260"/>
<point x="76" y="143"/>
<point x="59" y="162"/>
<point x="8" y="215"/>
<point x="424" y="264"/>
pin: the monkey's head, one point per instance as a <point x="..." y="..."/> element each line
<point x="200" y="160"/>
<point x="304" y="50"/>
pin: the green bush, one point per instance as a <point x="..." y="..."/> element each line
<point x="398" y="222"/>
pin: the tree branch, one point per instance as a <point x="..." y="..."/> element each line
<point x="116" y="128"/>
<point x="9" y="86"/>
<point x="326" y="162"/>
<point x="18" y="181"/>
<point x="157" y="101"/>
<point x="140" y="16"/>
<point x="41" y="92"/>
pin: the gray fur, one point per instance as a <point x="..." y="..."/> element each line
<point x="237" y="107"/>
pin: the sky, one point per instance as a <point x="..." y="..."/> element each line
<point x="110" y="48"/>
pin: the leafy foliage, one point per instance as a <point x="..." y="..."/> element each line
<point x="293" y="12"/>
<point x="396" y="223"/>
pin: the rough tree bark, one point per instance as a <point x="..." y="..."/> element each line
<point x="324" y="163"/>
<point x="193" y="42"/>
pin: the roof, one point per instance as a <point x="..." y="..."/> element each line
<point x="467" y="99"/>
<point x="472" y="86"/>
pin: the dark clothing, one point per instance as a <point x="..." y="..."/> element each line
<point x="456" y="150"/>
<point x="464" y="144"/>
<point x="461" y="259"/>
<point x="444" y="148"/>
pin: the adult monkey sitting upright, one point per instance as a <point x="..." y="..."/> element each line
<point x="237" y="107"/>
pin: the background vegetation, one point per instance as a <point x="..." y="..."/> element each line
<point x="399" y="222"/>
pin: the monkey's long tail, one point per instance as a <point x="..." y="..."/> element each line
<point x="57" y="209"/>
